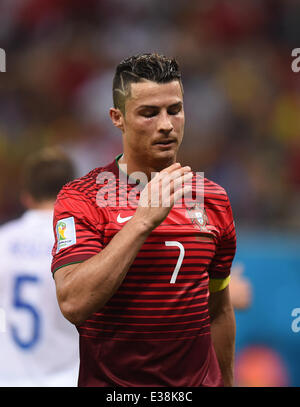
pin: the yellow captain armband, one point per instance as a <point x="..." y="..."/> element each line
<point x="218" y="284"/>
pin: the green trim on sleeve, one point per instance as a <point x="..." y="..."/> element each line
<point x="64" y="265"/>
<point x="218" y="284"/>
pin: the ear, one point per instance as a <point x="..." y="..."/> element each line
<point x="117" y="118"/>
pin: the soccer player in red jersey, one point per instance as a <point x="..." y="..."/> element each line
<point x="147" y="285"/>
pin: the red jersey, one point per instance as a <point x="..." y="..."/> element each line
<point x="155" y="330"/>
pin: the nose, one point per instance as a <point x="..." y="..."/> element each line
<point x="165" y="124"/>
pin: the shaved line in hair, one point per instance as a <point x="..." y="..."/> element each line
<point x="125" y="90"/>
<point x="139" y="68"/>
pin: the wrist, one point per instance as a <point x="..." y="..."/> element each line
<point x="141" y="225"/>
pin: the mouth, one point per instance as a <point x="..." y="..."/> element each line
<point x="165" y="143"/>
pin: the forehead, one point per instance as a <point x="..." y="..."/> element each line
<point x="150" y="93"/>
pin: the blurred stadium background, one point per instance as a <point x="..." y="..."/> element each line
<point x="242" y="103"/>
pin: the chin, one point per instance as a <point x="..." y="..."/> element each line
<point x="165" y="158"/>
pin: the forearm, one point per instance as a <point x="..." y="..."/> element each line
<point x="223" y="338"/>
<point x="222" y="322"/>
<point x="85" y="288"/>
<point x="89" y="285"/>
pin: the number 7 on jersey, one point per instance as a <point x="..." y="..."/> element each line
<point x="179" y="261"/>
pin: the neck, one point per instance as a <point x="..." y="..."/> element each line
<point x="135" y="165"/>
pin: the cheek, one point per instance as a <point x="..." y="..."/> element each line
<point x="139" y="133"/>
<point x="178" y="123"/>
<point x="143" y="127"/>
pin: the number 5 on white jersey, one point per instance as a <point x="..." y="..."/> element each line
<point x="179" y="261"/>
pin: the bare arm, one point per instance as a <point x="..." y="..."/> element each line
<point x="86" y="287"/>
<point x="223" y="332"/>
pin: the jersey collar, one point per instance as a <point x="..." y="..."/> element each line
<point x="117" y="170"/>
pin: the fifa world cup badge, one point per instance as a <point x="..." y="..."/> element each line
<point x="65" y="233"/>
<point x="198" y="217"/>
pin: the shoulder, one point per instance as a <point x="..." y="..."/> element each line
<point x="84" y="188"/>
<point x="80" y="196"/>
<point x="217" y="203"/>
<point x="83" y="185"/>
<point x="215" y="193"/>
<point x="212" y="188"/>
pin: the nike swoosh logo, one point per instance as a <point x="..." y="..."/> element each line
<point x="122" y="220"/>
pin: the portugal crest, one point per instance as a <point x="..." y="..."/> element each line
<point x="198" y="217"/>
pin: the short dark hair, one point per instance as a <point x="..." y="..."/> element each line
<point x="45" y="172"/>
<point x="153" y="67"/>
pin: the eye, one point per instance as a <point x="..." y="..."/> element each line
<point x="175" y="110"/>
<point x="149" y="113"/>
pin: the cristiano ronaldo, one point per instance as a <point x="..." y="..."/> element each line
<point x="147" y="285"/>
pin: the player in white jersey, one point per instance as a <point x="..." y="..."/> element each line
<point x="38" y="346"/>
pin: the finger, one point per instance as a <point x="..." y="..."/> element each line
<point x="168" y="186"/>
<point x="169" y="174"/>
<point x="157" y="176"/>
<point x="182" y="180"/>
<point x="180" y="171"/>
<point x="160" y="192"/>
<point x="170" y="183"/>
<point x="166" y="177"/>
<point x="171" y="168"/>
<point x="178" y="194"/>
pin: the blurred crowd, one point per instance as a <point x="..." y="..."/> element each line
<point x="242" y="99"/>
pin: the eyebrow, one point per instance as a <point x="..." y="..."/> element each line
<point x="157" y="107"/>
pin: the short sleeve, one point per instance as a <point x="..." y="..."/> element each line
<point x="77" y="229"/>
<point x="219" y="270"/>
